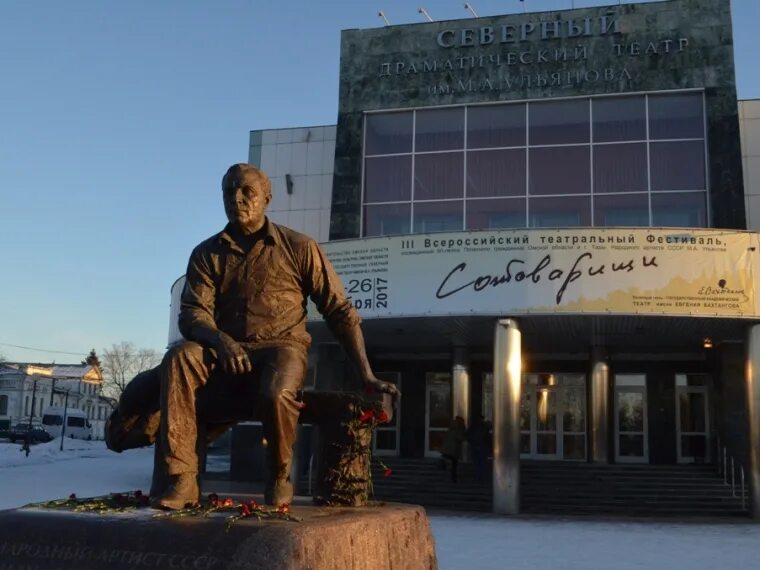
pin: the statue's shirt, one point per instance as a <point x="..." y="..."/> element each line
<point x="259" y="297"/>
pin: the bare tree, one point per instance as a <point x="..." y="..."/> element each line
<point x="121" y="363"/>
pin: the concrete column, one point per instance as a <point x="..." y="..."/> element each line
<point x="599" y="391"/>
<point x="752" y="378"/>
<point x="507" y="379"/>
<point x="460" y="384"/>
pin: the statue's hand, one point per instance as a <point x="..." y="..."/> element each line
<point x="232" y="357"/>
<point x="372" y="383"/>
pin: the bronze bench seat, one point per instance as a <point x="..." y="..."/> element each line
<point x="343" y="440"/>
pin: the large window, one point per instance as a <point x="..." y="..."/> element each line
<point x="633" y="160"/>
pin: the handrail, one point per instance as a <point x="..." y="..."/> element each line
<point x="724" y="460"/>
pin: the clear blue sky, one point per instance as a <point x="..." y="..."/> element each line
<point x="117" y="120"/>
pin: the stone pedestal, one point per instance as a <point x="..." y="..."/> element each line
<point x="368" y="538"/>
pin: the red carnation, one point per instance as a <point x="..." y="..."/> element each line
<point x="228" y="502"/>
<point x="283" y="508"/>
<point x="244" y="510"/>
<point x="382" y="417"/>
<point x="366" y="416"/>
<point x="387" y="472"/>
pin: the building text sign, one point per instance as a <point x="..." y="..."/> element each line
<point x="695" y="272"/>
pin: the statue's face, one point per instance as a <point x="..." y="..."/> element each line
<point x="245" y="202"/>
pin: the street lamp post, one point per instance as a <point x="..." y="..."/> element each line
<point x="65" y="409"/>
<point x="28" y="439"/>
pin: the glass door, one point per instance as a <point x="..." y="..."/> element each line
<point x="631" y="442"/>
<point x="573" y="423"/>
<point x="385" y="439"/>
<point x="437" y="411"/>
<point x="545" y="417"/>
<point x="553" y="416"/>
<point x="692" y="418"/>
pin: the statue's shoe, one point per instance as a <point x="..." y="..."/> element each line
<point x="279" y="493"/>
<point x="182" y="493"/>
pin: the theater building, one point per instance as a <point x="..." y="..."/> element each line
<point x="542" y="219"/>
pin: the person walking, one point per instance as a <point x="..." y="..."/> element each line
<point x="479" y="439"/>
<point x="452" y="445"/>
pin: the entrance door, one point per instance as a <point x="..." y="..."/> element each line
<point x="631" y="442"/>
<point x="437" y="411"/>
<point x="385" y="439"/>
<point x="545" y="417"/>
<point x="552" y="415"/>
<point x="692" y="418"/>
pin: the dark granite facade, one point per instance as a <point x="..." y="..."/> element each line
<point x="659" y="46"/>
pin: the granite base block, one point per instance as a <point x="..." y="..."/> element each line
<point x="383" y="537"/>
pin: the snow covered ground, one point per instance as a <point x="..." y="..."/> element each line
<point x="481" y="542"/>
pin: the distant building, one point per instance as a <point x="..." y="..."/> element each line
<point x="26" y="389"/>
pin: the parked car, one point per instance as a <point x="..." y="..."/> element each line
<point x="19" y="431"/>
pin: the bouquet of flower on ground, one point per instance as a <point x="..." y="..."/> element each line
<point x="132" y="500"/>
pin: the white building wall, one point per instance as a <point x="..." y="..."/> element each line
<point x="306" y="156"/>
<point x="19" y="388"/>
<point x="749" y="127"/>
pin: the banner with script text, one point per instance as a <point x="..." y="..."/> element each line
<point x="696" y="272"/>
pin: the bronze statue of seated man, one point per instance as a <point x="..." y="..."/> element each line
<point x="243" y="313"/>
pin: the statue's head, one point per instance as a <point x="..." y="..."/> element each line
<point x="246" y="191"/>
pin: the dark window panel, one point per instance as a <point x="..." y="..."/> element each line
<point x="694" y="446"/>
<point x="546" y="444"/>
<point x="631" y="446"/>
<point x="496" y="125"/>
<point x="680" y="209"/>
<point x="388" y="133"/>
<point x="492" y="214"/>
<point x="560" y="170"/>
<point x="493" y="173"/>
<point x="565" y="211"/>
<point x="438" y="216"/>
<point x="677" y="165"/>
<point x="439" y="129"/>
<point x="559" y="122"/>
<point x="575" y="447"/>
<point x="385" y="440"/>
<point x="677" y="116"/>
<point x="620" y="168"/>
<point x="439" y="175"/>
<point x="622" y="210"/>
<point x="387" y="219"/>
<point x="619" y="119"/>
<point x="388" y="179"/>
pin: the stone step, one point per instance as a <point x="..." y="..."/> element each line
<point x="567" y="488"/>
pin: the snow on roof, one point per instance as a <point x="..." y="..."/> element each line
<point x="58" y="371"/>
